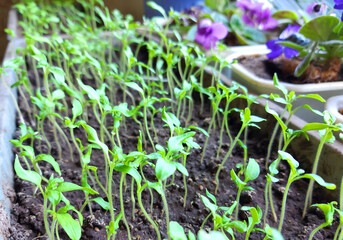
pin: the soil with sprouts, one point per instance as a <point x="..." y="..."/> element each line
<point x="265" y="68"/>
<point x="27" y="210"/>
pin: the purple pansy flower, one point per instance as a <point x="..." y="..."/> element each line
<point x="209" y="33"/>
<point x="339" y="6"/>
<point x="316" y="7"/>
<point x="256" y="15"/>
<point x="277" y="49"/>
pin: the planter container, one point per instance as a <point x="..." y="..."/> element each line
<point x="330" y="166"/>
<point x="334" y="105"/>
<point x="259" y="85"/>
<point x="7" y="129"/>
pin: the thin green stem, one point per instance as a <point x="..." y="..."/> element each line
<point x="139" y="198"/>
<point x="308" y="198"/>
<point x="283" y="208"/>
<point x="122" y="205"/>
<point x="227" y="156"/>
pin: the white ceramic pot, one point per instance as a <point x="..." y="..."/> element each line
<point x="334" y="105"/>
<point x="259" y="85"/>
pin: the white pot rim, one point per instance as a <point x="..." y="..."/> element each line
<point x="333" y="105"/>
<point x="261" y="49"/>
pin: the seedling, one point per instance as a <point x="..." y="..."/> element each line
<point x="296" y="174"/>
<point x="326" y="130"/>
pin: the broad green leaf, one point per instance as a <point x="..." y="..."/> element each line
<point x="212" y="197"/>
<point x="135" y="86"/>
<point x="176" y="231"/>
<point x="157" y="7"/>
<point x="58" y="94"/>
<point x="77" y="108"/>
<point x="68" y="186"/>
<point x="129" y="170"/>
<point x="51" y="160"/>
<point x="319" y="180"/>
<point x="273" y="233"/>
<point x="238" y="225"/>
<point x="157" y="186"/>
<point x="58" y="74"/>
<point x="93" y="137"/>
<point x="92" y="94"/>
<point x="175" y="143"/>
<point x="163" y="169"/>
<point x="213" y="235"/>
<point x="319" y="28"/>
<point x="99" y="200"/>
<point x="314" y="126"/>
<point x="285" y="14"/>
<point x="213" y="208"/>
<point x="313" y="96"/>
<point x="69" y="225"/>
<point x="289" y="158"/>
<point x="236" y="179"/>
<point x="181" y="168"/>
<point x="328" y="210"/>
<point x="26" y="175"/>
<point x="252" y="171"/>
<point x="191" y="235"/>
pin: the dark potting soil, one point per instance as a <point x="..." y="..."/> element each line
<point x="265" y="68"/>
<point x="27" y="211"/>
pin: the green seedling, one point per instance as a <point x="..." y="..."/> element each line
<point x="288" y="99"/>
<point x="222" y="222"/>
<point x="53" y="193"/>
<point x="175" y="127"/>
<point x="329" y="211"/>
<point x="325" y="130"/>
<point x="255" y="218"/>
<point x="247" y="120"/>
<point x="215" y="97"/>
<point x="251" y="172"/>
<point x="47" y="107"/>
<point x="294" y="175"/>
<point x="272" y="233"/>
<point x="288" y="135"/>
<point x="166" y="164"/>
<point x="230" y="95"/>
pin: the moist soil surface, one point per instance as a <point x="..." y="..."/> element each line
<point x="27" y="210"/>
<point x="265" y="68"/>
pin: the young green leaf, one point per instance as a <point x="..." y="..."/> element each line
<point x="252" y="171"/>
<point x="163" y="169"/>
<point x="69" y="225"/>
<point x="26" y="175"/>
<point x="176" y="231"/>
<point x="49" y="159"/>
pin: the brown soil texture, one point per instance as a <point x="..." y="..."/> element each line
<point x="27" y="211"/>
<point x="265" y="68"/>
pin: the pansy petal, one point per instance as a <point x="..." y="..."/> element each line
<point x="275" y="53"/>
<point x="210" y="42"/>
<point x="338" y="6"/>
<point x="289" y="30"/>
<point x="290" y="52"/>
<point x="247" y="20"/>
<point x="269" y="24"/>
<point x="219" y="30"/>
<point x="200" y="38"/>
<point x="272" y="44"/>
